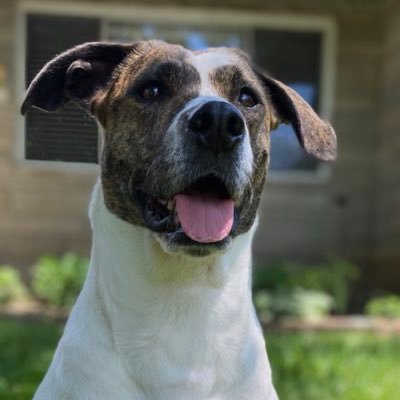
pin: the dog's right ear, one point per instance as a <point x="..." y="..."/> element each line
<point x="316" y="136"/>
<point x="76" y="75"/>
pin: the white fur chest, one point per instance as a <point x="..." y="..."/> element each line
<point x="152" y="326"/>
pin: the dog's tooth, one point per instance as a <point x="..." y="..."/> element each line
<point x="163" y="202"/>
<point x="171" y="205"/>
<point x="176" y="220"/>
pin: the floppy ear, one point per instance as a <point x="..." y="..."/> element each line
<point x="316" y="136"/>
<point x="74" y="75"/>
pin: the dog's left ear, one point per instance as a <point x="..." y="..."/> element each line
<point x="74" y="75"/>
<point x="316" y="136"/>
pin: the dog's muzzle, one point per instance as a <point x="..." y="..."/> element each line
<point x="210" y="140"/>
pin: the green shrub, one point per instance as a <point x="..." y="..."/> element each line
<point x="385" y="306"/>
<point x="302" y="303"/>
<point x="334" y="278"/>
<point x="58" y="281"/>
<point x="11" y="286"/>
<point x="310" y="304"/>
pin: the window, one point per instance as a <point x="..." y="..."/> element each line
<point x="71" y="135"/>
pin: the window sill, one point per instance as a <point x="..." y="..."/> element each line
<point x="318" y="177"/>
<point x="60" y="166"/>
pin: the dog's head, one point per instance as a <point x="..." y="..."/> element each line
<point x="186" y="134"/>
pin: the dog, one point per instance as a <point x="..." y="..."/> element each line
<point x="166" y="310"/>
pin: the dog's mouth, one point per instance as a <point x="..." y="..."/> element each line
<point x="203" y="213"/>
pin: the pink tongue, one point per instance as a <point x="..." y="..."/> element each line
<point x="204" y="218"/>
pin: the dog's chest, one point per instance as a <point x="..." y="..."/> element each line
<point x="177" y="343"/>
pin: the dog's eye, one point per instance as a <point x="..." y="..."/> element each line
<point x="150" y="90"/>
<point x="247" y="98"/>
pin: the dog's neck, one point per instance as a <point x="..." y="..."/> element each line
<point x="130" y="253"/>
<point x="133" y="269"/>
<point x="185" y="305"/>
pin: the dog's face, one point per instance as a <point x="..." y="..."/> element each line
<point x="186" y="134"/>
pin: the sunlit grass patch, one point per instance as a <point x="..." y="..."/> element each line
<point x="325" y="366"/>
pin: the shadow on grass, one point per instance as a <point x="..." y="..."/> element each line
<point x="26" y="349"/>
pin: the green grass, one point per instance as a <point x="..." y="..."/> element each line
<point x="321" y="366"/>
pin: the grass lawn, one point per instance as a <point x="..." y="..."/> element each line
<point x="320" y="366"/>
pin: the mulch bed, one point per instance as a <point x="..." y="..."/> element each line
<point x="34" y="311"/>
<point x="336" y="323"/>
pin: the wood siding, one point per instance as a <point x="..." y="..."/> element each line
<point x="388" y="210"/>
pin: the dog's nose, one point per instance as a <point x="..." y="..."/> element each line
<point x="218" y="126"/>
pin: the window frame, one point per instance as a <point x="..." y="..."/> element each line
<point x="106" y="13"/>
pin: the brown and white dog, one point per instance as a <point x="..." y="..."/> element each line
<point x="166" y="310"/>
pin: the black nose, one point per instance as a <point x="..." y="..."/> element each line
<point x="218" y="126"/>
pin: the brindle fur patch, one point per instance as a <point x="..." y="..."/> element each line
<point x="135" y="130"/>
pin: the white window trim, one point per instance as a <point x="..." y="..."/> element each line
<point x="196" y="16"/>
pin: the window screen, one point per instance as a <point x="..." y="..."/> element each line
<point x="68" y="134"/>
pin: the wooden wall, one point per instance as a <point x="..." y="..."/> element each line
<point x="387" y="270"/>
